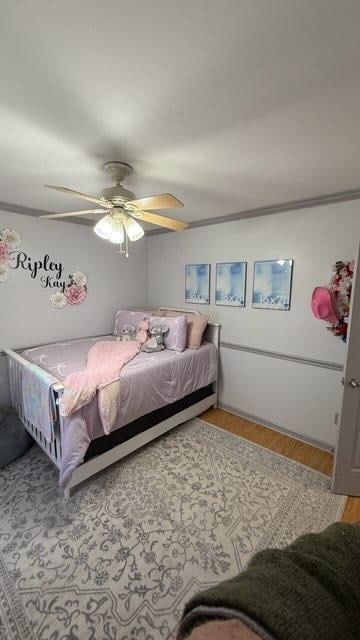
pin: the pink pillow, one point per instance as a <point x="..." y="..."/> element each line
<point x="175" y="338"/>
<point x="196" y="325"/>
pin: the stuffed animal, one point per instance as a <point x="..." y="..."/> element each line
<point x="128" y="332"/>
<point x="156" y="342"/>
<point x="142" y="332"/>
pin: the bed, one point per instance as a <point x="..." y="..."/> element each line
<point x="158" y="392"/>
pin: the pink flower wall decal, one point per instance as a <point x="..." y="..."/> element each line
<point x="75" y="291"/>
<point x="75" y="294"/>
<point x="4" y="253"/>
<point x="9" y="239"/>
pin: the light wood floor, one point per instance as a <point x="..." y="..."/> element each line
<point x="305" y="453"/>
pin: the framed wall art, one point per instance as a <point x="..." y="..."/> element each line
<point x="272" y="284"/>
<point x="230" y="285"/>
<point x="197" y="283"/>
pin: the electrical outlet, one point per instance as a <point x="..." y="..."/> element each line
<point x="336" y="418"/>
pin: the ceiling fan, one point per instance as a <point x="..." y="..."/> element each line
<point x="122" y="209"/>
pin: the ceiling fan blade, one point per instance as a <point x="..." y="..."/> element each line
<point x="162" y="221"/>
<point x="68" y="214"/>
<point x="161" y="201"/>
<point x="77" y="194"/>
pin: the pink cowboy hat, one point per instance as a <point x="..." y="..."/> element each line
<point x="323" y="305"/>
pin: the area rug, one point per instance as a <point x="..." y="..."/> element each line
<point x="119" y="560"/>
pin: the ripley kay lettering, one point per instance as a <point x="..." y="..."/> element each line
<point x="53" y="270"/>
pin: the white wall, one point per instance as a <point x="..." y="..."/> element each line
<point x="294" y="396"/>
<point x="26" y="316"/>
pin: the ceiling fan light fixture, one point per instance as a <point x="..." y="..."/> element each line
<point x="122" y="210"/>
<point x="133" y="229"/>
<point x="117" y="233"/>
<point x="104" y="227"/>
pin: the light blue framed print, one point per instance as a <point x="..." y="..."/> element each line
<point x="230" y="288"/>
<point x="272" y="284"/>
<point x="197" y="283"/>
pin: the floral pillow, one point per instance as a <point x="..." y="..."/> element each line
<point x="175" y="338"/>
<point x="124" y="317"/>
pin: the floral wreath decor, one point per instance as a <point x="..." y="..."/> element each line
<point x="75" y="291"/>
<point x="9" y="240"/>
<point x="340" y="286"/>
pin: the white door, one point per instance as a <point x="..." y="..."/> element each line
<point x="346" y="478"/>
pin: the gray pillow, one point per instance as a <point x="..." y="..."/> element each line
<point x="14" y="439"/>
<point x="175" y="338"/>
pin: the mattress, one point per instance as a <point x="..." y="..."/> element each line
<point x="148" y="382"/>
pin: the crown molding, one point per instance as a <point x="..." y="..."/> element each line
<point x="293" y="205"/>
<point x="35" y="213"/>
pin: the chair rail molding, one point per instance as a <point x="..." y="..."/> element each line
<point x="323" y="364"/>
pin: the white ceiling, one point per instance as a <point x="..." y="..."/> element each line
<point x="228" y="104"/>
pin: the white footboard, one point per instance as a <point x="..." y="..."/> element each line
<point x="52" y="449"/>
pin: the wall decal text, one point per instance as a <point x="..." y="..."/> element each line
<point x="71" y="289"/>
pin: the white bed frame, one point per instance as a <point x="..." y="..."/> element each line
<point x="54" y="449"/>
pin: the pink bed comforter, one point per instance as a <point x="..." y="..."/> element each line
<point x="105" y="361"/>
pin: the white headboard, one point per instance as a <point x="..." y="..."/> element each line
<point x="195" y="313"/>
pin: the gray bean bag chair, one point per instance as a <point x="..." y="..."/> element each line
<point x="14" y="439"/>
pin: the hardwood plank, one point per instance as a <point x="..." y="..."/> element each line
<point x="352" y="510"/>
<point x="300" y="451"/>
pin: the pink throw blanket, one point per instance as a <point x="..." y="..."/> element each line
<point x="105" y="361"/>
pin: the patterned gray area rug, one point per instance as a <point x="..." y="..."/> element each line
<point x="120" y="559"/>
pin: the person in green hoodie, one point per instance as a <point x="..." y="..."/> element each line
<point x="309" y="590"/>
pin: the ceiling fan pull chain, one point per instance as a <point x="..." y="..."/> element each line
<point x="126" y="245"/>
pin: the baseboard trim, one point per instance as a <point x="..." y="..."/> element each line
<point x="325" y="446"/>
<point x="323" y="364"/>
